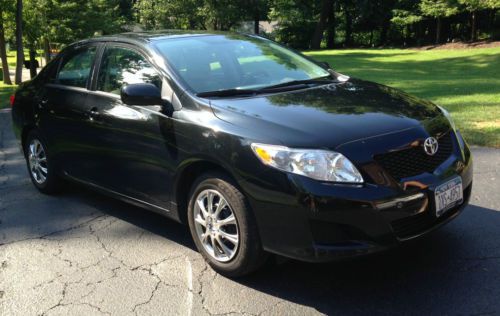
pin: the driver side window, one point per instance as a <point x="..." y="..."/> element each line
<point x="121" y="66"/>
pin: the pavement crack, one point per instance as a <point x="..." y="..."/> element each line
<point x="134" y="309"/>
<point x="54" y="232"/>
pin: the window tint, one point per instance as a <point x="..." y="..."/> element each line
<point x="75" y="68"/>
<point x="121" y="66"/>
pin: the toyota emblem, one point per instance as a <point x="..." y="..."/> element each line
<point x="431" y="146"/>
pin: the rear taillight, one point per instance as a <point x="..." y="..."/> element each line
<point x="12" y="99"/>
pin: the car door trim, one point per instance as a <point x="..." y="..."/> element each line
<point x="110" y="192"/>
<point x="70" y="88"/>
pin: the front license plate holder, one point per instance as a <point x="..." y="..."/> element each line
<point x="448" y="195"/>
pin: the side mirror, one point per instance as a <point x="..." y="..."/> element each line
<point x="141" y="94"/>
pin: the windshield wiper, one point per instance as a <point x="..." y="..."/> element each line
<point x="273" y="88"/>
<point x="298" y="83"/>
<point x="227" y="93"/>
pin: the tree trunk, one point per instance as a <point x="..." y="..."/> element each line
<point x="438" y="30"/>
<point x="419" y="33"/>
<point x="473" y="22"/>
<point x="348" y="25"/>
<point x="19" y="42"/>
<point x="46" y="50"/>
<point x="256" y="19"/>
<point x="32" y="62"/>
<point x="330" y="39"/>
<point x="383" y="32"/>
<point x="3" y="54"/>
<point x="326" y="7"/>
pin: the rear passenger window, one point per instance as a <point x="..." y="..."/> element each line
<point x="122" y="66"/>
<point x="75" y="69"/>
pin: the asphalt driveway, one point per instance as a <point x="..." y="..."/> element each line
<point x="80" y="253"/>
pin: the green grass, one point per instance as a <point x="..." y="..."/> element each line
<point x="465" y="82"/>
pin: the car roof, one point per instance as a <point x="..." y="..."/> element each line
<point x="146" y="37"/>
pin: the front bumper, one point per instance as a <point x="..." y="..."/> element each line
<point x="312" y="221"/>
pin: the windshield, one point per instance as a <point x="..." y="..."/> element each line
<point x="222" y="62"/>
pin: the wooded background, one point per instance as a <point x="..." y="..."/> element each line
<point x="302" y="24"/>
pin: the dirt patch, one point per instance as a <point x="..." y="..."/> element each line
<point x="461" y="45"/>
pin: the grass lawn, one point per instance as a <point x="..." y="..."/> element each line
<point x="465" y="82"/>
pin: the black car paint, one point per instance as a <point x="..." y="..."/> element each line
<point x="151" y="155"/>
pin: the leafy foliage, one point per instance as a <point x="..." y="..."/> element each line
<point x="300" y="23"/>
<point x="439" y="8"/>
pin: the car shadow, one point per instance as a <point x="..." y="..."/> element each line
<point x="152" y="222"/>
<point x="453" y="270"/>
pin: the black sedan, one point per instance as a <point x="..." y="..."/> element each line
<point x="258" y="148"/>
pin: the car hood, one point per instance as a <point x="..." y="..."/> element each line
<point x="329" y="115"/>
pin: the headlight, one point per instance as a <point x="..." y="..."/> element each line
<point x="448" y="116"/>
<point x="317" y="164"/>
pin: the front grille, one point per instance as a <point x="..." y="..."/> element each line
<point x="414" y="225"/>
<point x="414" y="161"/>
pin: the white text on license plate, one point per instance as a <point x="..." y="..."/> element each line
<point x="448" y="195"/>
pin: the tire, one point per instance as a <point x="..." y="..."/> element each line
<point x="248" y="254"/>
<point x="46" y="182"/>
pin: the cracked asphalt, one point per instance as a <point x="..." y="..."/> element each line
<point x="80" y="253"/>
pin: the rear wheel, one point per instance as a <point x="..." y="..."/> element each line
<point x="223" y="227"/>
<point x="40" y="166"/>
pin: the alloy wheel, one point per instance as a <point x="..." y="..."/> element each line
<point x="37" y="159"/>
<point x="216" y="225"/>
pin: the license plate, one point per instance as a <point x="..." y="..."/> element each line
<point x="448" y="195"/>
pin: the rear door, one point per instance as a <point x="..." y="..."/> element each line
<point x="66" y="120"/>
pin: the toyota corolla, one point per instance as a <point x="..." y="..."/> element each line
<point x="259" y="149"/>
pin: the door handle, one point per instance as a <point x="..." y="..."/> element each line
<point x="93" y="113"/>
<point x="42" y="103"/>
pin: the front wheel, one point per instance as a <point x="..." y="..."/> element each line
<point x="223" y="227"/>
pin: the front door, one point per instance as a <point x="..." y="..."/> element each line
<point x="138" y="159"/>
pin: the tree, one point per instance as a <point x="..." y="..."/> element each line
<point x="257" y="11"/>
<point x="348" y="8"/>
<point x="195" y="14"/>
<point x="19" y="42"/>
<point x="34" y="28"/>
<point x="3" y="52"/>
<point x="330" y="28"/>
<point x="326" y="9"/>
<point x="296" y="21"/>
<point x="439" y="9"/>
<point x="473" y="6"/>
